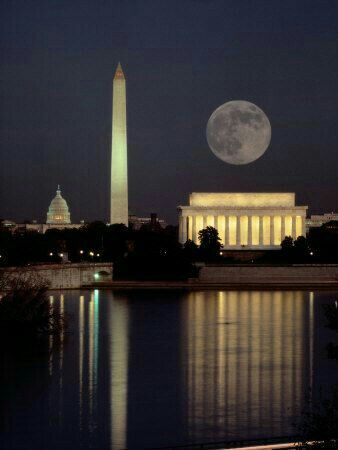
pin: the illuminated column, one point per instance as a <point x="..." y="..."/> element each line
<point x="303" y="227"/>
<point x="184" y="229"/>
<point x="238" y="230"/>
<point x="272" y="231"/>
<point x="282" y="228"/>
<point x="204" y="221"/>
<point x="194" y="235"/>
<point x="119" y="169"/>
<point x="260" y="230"/>
<point x="217" y="225"/>
<point x="249" y="230"/>
<point x="227" y="230"/>
<point x="294" y="230"/>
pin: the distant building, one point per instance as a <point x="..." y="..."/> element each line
<point x="243" y="220"/>
<point x="58" y="212"/>
<point x="58" y="217"/>
<point x="319" y="220"/>
<point x="153" y="222"/>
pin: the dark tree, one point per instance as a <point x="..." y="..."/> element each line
<point x="25" y="310"/>
<point x="287" y="243"/>
<point x="210" y="243"/>
<point x="323" y="242"/>
<point x="190" y="250"/>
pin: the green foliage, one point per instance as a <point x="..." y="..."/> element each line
<point x="24" y="306"/>
<point x="287" y="243"/>
<point x="210" y="243"/>
<point x="136" y="254"/>
<point x="191" y="250"/>
<point x="153" y="255"/>
<point x="295" y="251"/>
<point x="301" y="244"/>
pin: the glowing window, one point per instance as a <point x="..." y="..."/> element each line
<point x="278" y="230"/>
<point x="210" y="221"/>
<point x="266" y="230"/>
<point x="299" y="228"/>
<point x="255" y="230"/>
<point x="190" y="227"/>
<point x="199" y="226"/>
<point x="288" y="226"/>
<point x="221" y="228"/>
<point x="232" y="230"/>
<point x="244" y="230"/>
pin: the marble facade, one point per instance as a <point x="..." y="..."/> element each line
<point x="243" y="220"/>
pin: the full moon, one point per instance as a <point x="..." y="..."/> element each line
<point x="238" y="132"/>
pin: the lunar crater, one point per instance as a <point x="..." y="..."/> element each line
<point x="238" y="132"/>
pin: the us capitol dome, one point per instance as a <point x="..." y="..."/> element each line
<point x="58" y="212"/>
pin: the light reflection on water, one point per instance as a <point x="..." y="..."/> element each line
<point x="153" y="369"/>
<point x="252" y="346"/>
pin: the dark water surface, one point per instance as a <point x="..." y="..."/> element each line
<point x="147" y="369"/>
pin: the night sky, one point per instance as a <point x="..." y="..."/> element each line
<point x="182" y="59"/>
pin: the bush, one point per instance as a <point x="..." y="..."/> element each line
<point x="25" y="307"/>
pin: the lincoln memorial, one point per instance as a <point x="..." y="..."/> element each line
<point x="243" y="220"/>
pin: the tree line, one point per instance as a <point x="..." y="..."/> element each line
<point x="153" y="252"/>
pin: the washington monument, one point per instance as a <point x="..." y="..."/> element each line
<point x="119" y="164"/>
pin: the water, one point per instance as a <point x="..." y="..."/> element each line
<point x="144" y="369"/>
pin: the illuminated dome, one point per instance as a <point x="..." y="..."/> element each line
<point x="58" y="211"/>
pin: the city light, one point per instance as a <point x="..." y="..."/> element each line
<point x="96" y="276"/>
<point x="81" y="252"/>
<point x="50" y="254"/>
<point x="98" y="255"/>
<point x="61" y="255"/>
<point x="91" y="253"/>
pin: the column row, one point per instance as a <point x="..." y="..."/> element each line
<point x="244" y="230"/>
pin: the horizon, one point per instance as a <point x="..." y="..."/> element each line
<point x="55" y="115"/>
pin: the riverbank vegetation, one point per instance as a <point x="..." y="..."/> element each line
<point x="25" y="310"/>
<point x="153" y="252"/>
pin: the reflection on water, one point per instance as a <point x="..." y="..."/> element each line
<point x="118" y="324"/>
<point x="140" y="369"/>
<point x="247" y="361"/>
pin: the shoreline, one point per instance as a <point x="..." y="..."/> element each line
<point x="202" y="286"/>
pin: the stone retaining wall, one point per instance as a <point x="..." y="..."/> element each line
<point x="66" y="276"/>
<point x="295" y="274"/>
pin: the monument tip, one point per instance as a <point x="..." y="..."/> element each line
<point x="119" y="72"/>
